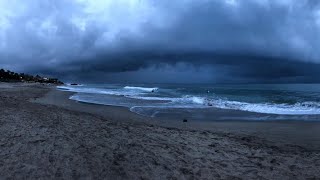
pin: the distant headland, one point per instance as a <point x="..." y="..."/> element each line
<point x="9" y="76"/>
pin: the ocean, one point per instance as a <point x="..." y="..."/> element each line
<point x="251" y="102"/>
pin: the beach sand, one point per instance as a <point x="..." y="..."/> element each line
<point x="46" y="136"/>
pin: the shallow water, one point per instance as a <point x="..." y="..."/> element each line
<point x="288" y="101"/>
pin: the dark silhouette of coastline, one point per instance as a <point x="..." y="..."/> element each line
<point x="9" y="76"/>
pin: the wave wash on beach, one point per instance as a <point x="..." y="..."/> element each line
<point x="294" y="99"/>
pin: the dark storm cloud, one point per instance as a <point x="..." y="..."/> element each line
<point x="213" y="40"/>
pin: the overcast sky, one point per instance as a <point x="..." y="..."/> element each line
<point x="158" y="41"/>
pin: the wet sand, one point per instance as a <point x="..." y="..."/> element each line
<point x="45" y="135"/>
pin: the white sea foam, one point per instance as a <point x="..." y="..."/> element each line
<point x="117" y="92"/>
<point x="189" y="101"/>
<point x="141" y="88"/>
<point x="86" y="90"/>
<point x="304" y="108"/>
<point x="195" y="99"/>
<point x="186" y="100"/>
<point x="154" y="98"/>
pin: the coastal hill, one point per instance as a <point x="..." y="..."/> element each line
<point x="9" y="76"/>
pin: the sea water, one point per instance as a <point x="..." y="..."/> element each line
<point x="295" y="100"/>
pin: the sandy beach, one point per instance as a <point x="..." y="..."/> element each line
<point x="44" y="135"/>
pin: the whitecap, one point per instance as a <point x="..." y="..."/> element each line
<point x="141" y="88"/>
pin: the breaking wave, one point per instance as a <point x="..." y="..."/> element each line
<point x="191" y="101"/>
<point x="141" y="88"/>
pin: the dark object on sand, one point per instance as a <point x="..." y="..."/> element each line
<point x="185" y="120"/>
<point x="74" y="84"/>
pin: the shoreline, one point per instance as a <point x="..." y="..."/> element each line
<point x="242" y="115"/>
<point x="249" y="102"/>
<point x="45" y="135"/>
<point x="296" y="132"/>
<point x="204" y="113"/>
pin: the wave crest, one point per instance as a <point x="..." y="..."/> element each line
<point x="141" y="88"/>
